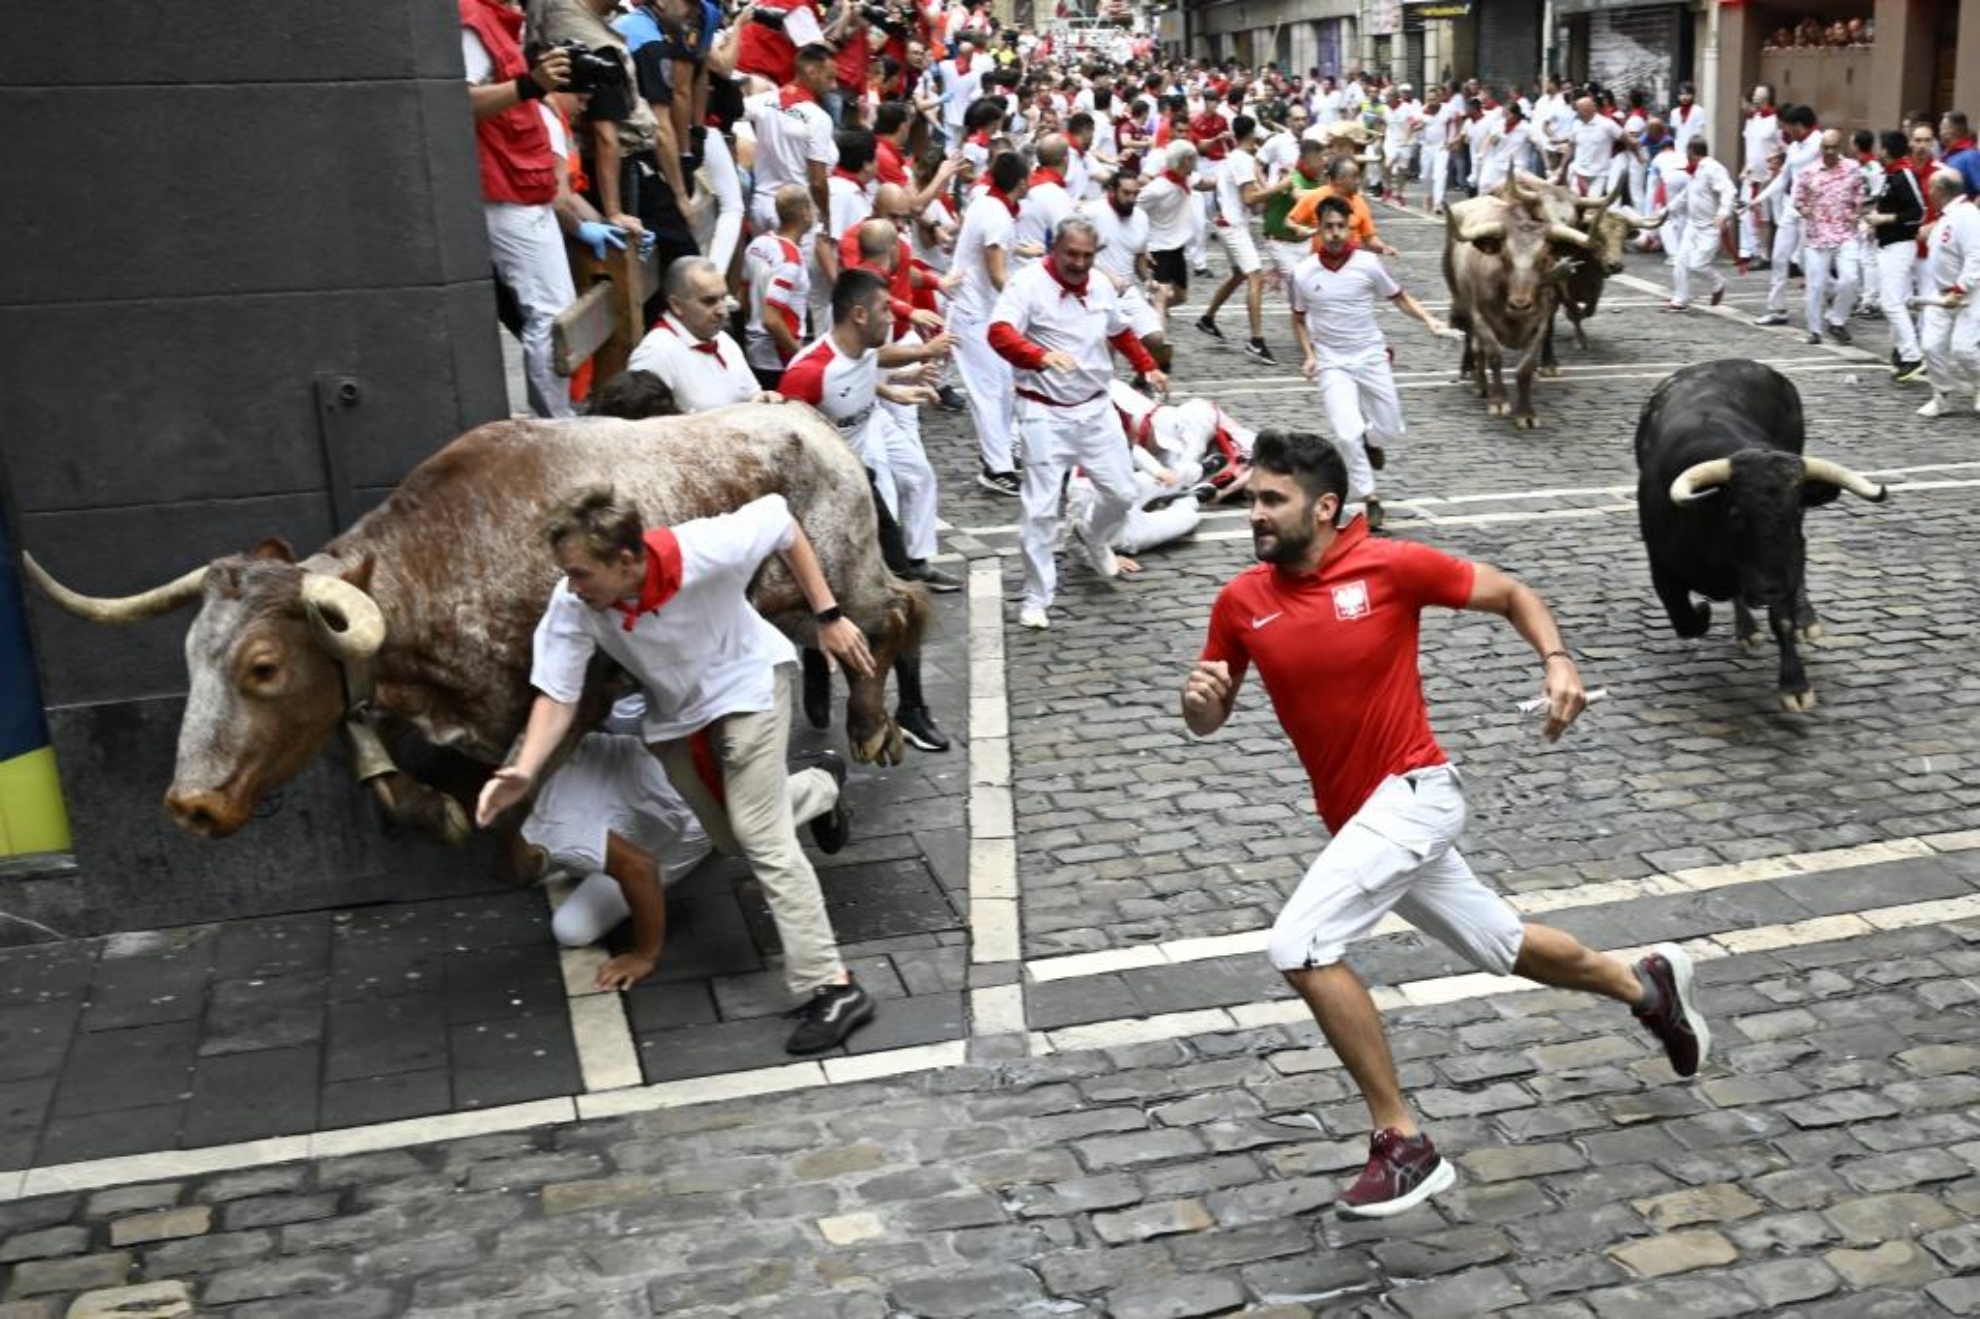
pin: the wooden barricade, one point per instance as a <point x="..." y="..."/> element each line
<point x="605" y="324"/>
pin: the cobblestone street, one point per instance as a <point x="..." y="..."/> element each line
<point x="1087" y="1093"/>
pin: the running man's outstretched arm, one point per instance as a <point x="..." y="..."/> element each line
<point x="1495" y="592"/>
<point x="1207" y="697"/>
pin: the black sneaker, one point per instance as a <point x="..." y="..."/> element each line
<point x="949" y="401"/>
<point x="828" y="1016"/>
<point x="832" y="830"/>
<point x="817" y="688"/>
<point x="1910" y="371"/>
<point x="1257" y="348"/>
<point x="999" y="483"/>
<point x="1772" y="318"/>
<point x="1670" y="1010"/>
<point x="1378" y="457"/>
<point x="1841" y="334"/>
<point x="918" y="726"/>
<point x="1814" y="338"/>
<point x="920" y="570"/>
<point x="1209" y="327"/>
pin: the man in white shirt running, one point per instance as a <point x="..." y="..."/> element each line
<point x="1123" y="260"/>
<point x="670" y="604"/>
<point x="1698" y="217"/>
<point x="983" y="262"/>
<point x="1238" y="190"/>
<point x="1334" y="294"/>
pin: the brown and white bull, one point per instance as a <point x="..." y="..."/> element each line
<point x="422" y="613"/>
<point x="1501" y="255"/>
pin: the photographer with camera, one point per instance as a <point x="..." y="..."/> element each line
<point x="519" y="183"/>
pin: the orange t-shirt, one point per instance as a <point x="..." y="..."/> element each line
<point x="1361" y="222"/>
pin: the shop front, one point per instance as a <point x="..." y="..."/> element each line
<point x="1627" y="48"/>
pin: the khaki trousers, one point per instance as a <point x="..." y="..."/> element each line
<point x="758" y="821"/>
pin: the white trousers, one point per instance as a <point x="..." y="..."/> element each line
<point x="986" y="382"/>
<point x="1949" y="338"/>
<point x="1832" y="277"/>
<point x="1899" y="278"/>
<point x="1787" y="249"/>
<point x="528" y="250"/>
<point x="1287" y="256"/>
<point x="1749" y="222"/>
<point x="1359" y="394"/>
<point x="1437" y="169"/>
<point x="1691" y="260"/>
<point x="1146" y="529"/>
<point x="1056" y="440"/>
<point x="908" y="485"/>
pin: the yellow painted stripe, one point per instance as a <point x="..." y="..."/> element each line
<point x="32" y="818"/>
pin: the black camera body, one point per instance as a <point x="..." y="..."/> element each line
<point x="591" y="70"/>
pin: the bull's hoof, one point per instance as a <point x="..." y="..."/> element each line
<point x="1813" y="632"/>
<point x="1798" y="702"/>
<point x="1525" y="421"/>
<point x="1497" y="407"/>
<point x="1752" y="641"/>
<point x="422" y="808"/>
<point x="886" y="746"/>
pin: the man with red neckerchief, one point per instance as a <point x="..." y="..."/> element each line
<point x="1055" y="323"/>
<point x="1760" y="136"/>
<point x="1334" y="294"/>
<point x="1330" y="618"/>
<point x="1168" y="200"/>
<point x="982" y="266"/>
<point x="795" y="145"/>
<point x="670" y="604"/>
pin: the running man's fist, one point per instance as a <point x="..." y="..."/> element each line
<point x="1208" y="688"/>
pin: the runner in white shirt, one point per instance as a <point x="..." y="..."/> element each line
<point x="1169" y="201"/>
<point x="1047" y="200"/>
<point x="1402" y="120"/>
<point x="1055" y="324"/>
<point x="960" y="79"/>
<point x="778" y="280"/>
<point x="794" y="142"/>
<point x="1440" y="119"/>
<point x="850" y="189"/>
<point x="609" y="817"/>
<point x="1760" y="137"/>
<point x="1238" y="190"/>
<point x="688" y="349"/>
<point x="1699" y="212"/>
<point x="984" y="260"/>
<point x="1591" y="143"/>
<point x="1334" y="295"/>
<point x="1506" y="146"/>
<point x="1123" y="259"/>
<point x="1686" y="119"/>
<point x="670" y="604"/>
<point x="1804" y="149"/>
<point x="1949" y="329"/>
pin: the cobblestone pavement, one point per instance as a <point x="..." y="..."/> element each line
<point x="1094" y="1099"/>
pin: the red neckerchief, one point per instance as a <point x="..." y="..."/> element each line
<point x="1683" y="112"/>
<point x="994" y="191"/>
<point x="1691" y="166"/>
<point x="663" y="576"/>
<point x="847" y="175"/>
<point x="709" y="346"/>
<point x="1040" y="176"/>
<point x="793" y="94"/>
<point x="1176" y="179"/>
<point x="1964" y="144"/>
<point x="1334" y="263"/>
<point x="1764" y="112"/>
<point x="980" y="138"/>
<point x="1066" y="290"/>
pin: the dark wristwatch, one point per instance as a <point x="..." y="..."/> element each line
<point x="827" y="617"/>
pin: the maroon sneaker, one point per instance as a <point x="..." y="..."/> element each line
<point x="1402" y="1172"/>
<point x="1675" y="1019"/>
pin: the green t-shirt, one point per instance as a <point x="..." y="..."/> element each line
<point x="1280" y="205"/>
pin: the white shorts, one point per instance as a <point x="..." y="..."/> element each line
<point x="1398" y="853"/>
<point x="1236" y="239"/>
<point x="1139" y="311"/>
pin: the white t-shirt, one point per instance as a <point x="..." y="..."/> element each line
<point x="1594" y="146"/>
<point x="611" y="784"/>
<point x="959" y="89"/>
<point x="704" y="653"/>
<point x="1171" y="217"/>
<point x="1240" y="170"/>
<point x="1340" y="305"/>
<point x="779" y="284"/>
<point x="702" y="375"/>
<point x="1043" y="311"/>
<point x="1760" y="134"/>
<point x="852" y="204"/>
<point x="1279" y="154"/>
<point x="986" y="224"/>
<point x="1045" y="205"/>
<point x="788" y="140"/>
<point x="1122" y="239"/>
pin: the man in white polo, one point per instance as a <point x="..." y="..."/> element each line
<point x="689" y="348"/>
<point x="670" y="604"/>
<point x="1054" y="324"/>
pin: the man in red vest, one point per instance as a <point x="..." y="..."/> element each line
<point x="519" y="183"/>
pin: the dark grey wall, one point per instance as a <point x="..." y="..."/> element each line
<point x="216" y="204"/>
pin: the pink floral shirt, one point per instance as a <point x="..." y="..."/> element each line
<point x="1828" y="200"/>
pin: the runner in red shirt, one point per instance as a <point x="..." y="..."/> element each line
<point x="1330" y="619"/>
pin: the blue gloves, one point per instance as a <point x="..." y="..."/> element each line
<point x="598" y="234"/>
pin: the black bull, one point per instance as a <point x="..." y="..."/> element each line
<point x="1721" y="485"/>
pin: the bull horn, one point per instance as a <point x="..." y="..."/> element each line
<point x="1655" y="220"/>
<point x="1599" y="202"/>
<point x="119" y="610"/>
<point x="346" y="621"/>
<point x="1469" y="231"/>
<point x="1701" y="479"/>
<point x="1821" y="469"/>
<point x="1567" y="233"/>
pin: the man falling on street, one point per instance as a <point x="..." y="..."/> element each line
<point x="1330" y="618"/>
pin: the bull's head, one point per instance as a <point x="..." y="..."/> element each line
<point x="1522" y="235"/>
<point x="267" y="657"/>
<point x="1763" y="492"/>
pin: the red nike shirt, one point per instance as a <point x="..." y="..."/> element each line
<point x="1336" y="650"/>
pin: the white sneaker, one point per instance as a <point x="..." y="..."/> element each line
<point x="1934" y="406"/>
<point x="1100" y="556"/>
<point x="1033" y="616"/>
